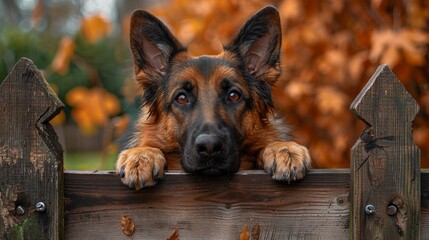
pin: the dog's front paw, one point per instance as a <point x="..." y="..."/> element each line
<point x="285" y="161"/>
<point x="141" y="167"/>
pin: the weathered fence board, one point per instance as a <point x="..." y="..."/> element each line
<point x="327" y="204"/>
<point x="31" y="159"/>
<point x="215" y="208"/>
<point x="385" y="183"/>
<point x="209" y="208"/>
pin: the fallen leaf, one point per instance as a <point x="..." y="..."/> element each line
<point x="256" y="232"/>
<point x="244" y="235"/>
<point x="127" y="225"/>
<point x="175" y="235"/>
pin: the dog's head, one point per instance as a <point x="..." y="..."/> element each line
<point x="208" y="105"/>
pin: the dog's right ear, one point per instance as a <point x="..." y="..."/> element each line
<point x="152" y="44"/>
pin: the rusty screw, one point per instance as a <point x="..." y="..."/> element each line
<point x="19" y="210"/>
<point x="369" y="209"/>
<point x="40" y="207"/>
<point x="392" y="210"/>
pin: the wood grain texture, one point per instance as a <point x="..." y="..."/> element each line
<point x="215" y="208"/>
<point x="30" y="156"/>
<point x="209" y="208"/>
<point x="385" y="162"/>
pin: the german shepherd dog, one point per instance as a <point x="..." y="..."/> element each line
<point x="214" y="112"/>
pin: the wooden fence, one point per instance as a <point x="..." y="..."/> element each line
<point x="384" y="195"/>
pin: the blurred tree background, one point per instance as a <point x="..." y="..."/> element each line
<point x="330" y="50"/>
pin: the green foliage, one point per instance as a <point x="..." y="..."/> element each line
<point x="15" y="43"/>
<point x="102" y="64"/>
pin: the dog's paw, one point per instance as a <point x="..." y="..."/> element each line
<point x="140" y="167"/>
<point x="285" y="161"/>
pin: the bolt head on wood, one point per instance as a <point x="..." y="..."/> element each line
<point x="40" y="207"/>
<point x="369" y="209"/>
<point x="392" y="210"/>
<point x="19" y="210"/>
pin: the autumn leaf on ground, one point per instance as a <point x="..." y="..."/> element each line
<point x="62" y="58"/>
<point x="127" y="225"/>
<point x="175" y="235"/>
<point x="244" y="235"/>
<point x="94" y="28"/>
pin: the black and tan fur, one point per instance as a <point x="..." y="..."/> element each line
<point x="214" y="112"/>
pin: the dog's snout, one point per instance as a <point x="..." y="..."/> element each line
<point x="208" y="144"/>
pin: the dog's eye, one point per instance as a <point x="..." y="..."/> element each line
<point x="182" y="98"/>
<point x="234" y="96"/>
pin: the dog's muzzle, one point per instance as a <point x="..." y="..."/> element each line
<point x="212" y="151"/>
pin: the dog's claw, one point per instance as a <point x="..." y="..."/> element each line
<point x="122" y="172"/>
<point x="155" y="177"/>
<point x="272" y="169"/>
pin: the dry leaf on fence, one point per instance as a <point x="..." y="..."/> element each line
<point x="127" y="225"/>
<point x="175" y="235"/>
<point x="256" y="232"/>
<point x="244" y="235"/>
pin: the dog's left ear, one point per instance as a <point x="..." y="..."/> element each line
<point x="259" y="44"/>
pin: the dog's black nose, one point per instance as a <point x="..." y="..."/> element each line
<point x="208" y="144"/>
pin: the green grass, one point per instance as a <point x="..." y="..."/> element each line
<point x="89" y="161"/>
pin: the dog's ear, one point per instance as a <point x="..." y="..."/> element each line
<point x="259" y="43"/>
<point x="152" y="44"/>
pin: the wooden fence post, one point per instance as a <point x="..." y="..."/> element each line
<point x="385" y="163"/>
<point x="31" y="166"/>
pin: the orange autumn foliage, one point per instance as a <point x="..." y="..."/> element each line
<point x="95" y="27"/>
<point x="64" y="54"/>
<point x="330" y="50"/>
<point x="92" y="108"/>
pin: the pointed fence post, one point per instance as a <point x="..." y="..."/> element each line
<point x="385" y="163"/>
<point x="31" y="158"/>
